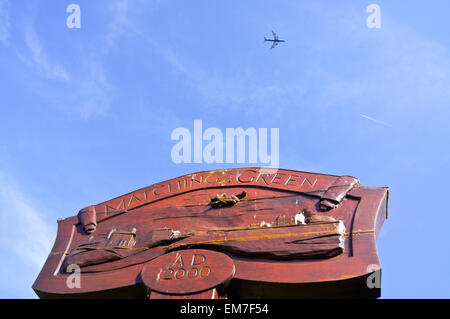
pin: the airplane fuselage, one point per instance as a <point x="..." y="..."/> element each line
<point x="275" y="40"/>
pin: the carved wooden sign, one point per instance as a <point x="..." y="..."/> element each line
<point x="188" y="271"/>
<point x="236" y="233"/>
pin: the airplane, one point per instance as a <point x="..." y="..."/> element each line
<point x="275" y="40"/>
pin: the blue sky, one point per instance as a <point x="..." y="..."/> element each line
<point x="86" y="114"/>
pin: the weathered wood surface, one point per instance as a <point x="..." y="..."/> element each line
<point x="188" y="271"/>
<point x="278" y="227"/>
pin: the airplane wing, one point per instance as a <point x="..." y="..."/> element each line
<point x="275" y="37"/>
<point x="274" y="45"/>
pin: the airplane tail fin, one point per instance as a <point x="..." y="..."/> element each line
<point x="265" y="39"/>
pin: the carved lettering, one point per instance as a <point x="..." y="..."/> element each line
<point x="205" y="271"/>
<point x="169" y="275"/>
<point x="179" y="273"/>
<point x="192" y="273"/>
<point x="109" y="208"/>
<point x="263" y="177"/>
<point x="160" y="187"/>
<point x="195" y="180"/>
<point x="178" y="260"/>
<point x="278" y="178"/>
<point x="292" y="179"/>
<point x="187" y="271"/>
<point x="240" y="180"/>
<point x="175" y="187"/>
<point x="220" y="178"/>
<point x="133" y="197"/>
<point x="309" y="182"/>
<point x="198" y="259"/>
<point x="177" y="270"/>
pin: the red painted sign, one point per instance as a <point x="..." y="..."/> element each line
<point x="269" y="233"/>
<point x="307" y="183"/>
<point x="188" y="271"/>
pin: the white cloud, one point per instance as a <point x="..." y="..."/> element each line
<point x="117" y="27"/>
<point x="39" y="59"/>
<point x="401" y="72"/>
<point x="23" y="231"/>
<point x="375" y="120"/>
<point x="89" y="92"/>
<point x="4" y="21"/>
<point x="89" y="89"/>
<point x="212" y="87"/>
<point x="402" y="69"/>
<point x="120" y="22"/>
<point x="86" y="90"/>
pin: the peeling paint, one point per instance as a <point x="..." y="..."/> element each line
<point x="300" y="218"/>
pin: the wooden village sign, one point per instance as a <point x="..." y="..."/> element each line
<point x="235" y="233"/>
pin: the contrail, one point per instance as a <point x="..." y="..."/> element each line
<point x="375" y="120"/>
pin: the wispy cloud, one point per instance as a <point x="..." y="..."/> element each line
<point x="375" y="120"/>
<point x="210" y="86"/>
<point x="120" y="23"/>
<point x="24" y="230"/>
<point x="119" y="11"/>
<point x="402" y="70"/>
<point x="86" y="89"/>
<point x="4" y="21"/>
<point x="39" y="59"/>
<point x="91" y="91"/>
